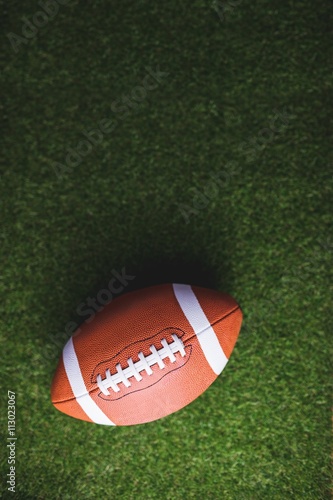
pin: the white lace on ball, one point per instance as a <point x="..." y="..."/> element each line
<point x="144" y="363"/>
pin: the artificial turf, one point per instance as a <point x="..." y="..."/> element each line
<point x="218" y="174"/>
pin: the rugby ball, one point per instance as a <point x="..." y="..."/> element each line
<point x="146" y="355"/>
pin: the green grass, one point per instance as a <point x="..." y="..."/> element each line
<point x="144" y="199"/>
